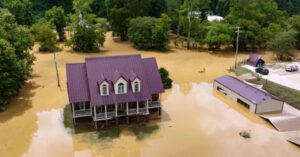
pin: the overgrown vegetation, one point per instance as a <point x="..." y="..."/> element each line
<point x="164" y="74"/>
<point x="15" y="60"/>
<point x="43" y="33"/>
<point x="148" y="32"/>
<point x="289" y="95"/>
<point x="239" y="70"/>
<point x="142" y="131"/>
<point x="68" y="123"/>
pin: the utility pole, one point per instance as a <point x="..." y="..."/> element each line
<point x="57" y="75"/>
<point x="237" y="44"/>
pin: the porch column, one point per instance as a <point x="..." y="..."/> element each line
<point x="137" y="107"/>
<point x="91" y="111"/>
<point x="105" y="109"/>
<point x="116" y="108"/>
<point x="95" y="113"/>
<point x="73" y="109"/>
<point x="127" y="108"/>
<point x="147" y="106"/>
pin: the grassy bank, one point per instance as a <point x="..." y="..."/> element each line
<point x="289" y="95"/>
<point x="239" y="70"/>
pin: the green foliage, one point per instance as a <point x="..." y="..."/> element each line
<point x="68" y="123"/>
<point x="294" y="23"/>
<point x="291" y="7"/>
<point x="45" y="35"/>
<point x="148" y="32"/>
<point x="13" y="72"/>
<point x="99" y="8"/>
<point x="283" y="44"/>
<point x="56" y="16"/>
<point x="121" y="12"/>
<point x="21" y="9"/>
<point x="18" y="36"/>
<point x="164" y="74"/>
<point x="87" y="36"/>
<point x="218" y="34"/>
<point x="220" y="7"/>
<point x="253" y="16"/>
<point x="173" y="7"/>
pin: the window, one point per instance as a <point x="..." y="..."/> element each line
<point x="121" y="88"/>
<point x="136" y="86"/>
<point x="104" y="89"/>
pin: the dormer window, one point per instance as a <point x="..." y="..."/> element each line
<point x="104" y="89"/>
<point x="136" y="85"/>
<point x="121" y="86"/>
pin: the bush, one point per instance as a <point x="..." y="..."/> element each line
<point x="218" y="34"/>
<point x="87" y="38"/>
<point x="45" y="35"/>
<point x="167" y="82"/>
<point x="283" y="44"/>
<point x="148" y="32"/>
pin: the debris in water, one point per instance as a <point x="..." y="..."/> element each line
<point x="245" y="134"/>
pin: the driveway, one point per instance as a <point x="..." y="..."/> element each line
<point x="278" y="75"/>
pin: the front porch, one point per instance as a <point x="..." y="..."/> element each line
<point x="81" y="109"/>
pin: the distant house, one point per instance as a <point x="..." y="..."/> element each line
<point x="213" y="18"/>
<point x="256" y="100"/>
<point x="255" y="60"/>
<point x="114" y="88"/>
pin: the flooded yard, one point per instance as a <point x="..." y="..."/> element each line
<point x="195" y="121"/>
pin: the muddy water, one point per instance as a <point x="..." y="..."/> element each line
<point x="194" y="122"/>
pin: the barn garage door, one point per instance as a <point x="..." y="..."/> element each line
<point x="243" y="103"/>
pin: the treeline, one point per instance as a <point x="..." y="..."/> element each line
<point x="271" y="24"/>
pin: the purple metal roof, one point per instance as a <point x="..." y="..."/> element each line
<point x="77" y="83"/>
<point x="245" y="90"/>
<point x="111" y="69"/>
<point x="253" y="59"/>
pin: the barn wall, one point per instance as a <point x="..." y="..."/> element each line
<point x="234" y="96"/>
<point x="270" y="105"/>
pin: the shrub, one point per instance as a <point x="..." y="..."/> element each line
<point x="45" y="35"/>
<point x="167" y="82"/>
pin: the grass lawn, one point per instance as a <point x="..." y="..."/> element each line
<point x="289" y="95"/>
<point x="239" y="70"/>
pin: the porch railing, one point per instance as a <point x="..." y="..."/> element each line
<point x="132" y="111"/>
<point x="82" y="113"/>
<point x="143" y="111"/>
<point x="154" y="104"/>
<point x="101" y="116"/>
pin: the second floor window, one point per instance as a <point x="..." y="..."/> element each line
<point x="121" y="88"/>
<point x="104" y="90"/>
<point x="136" y="86"/>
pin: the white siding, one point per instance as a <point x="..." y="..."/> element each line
<point x="234" y="96"/>
<point x="270" y="105"/>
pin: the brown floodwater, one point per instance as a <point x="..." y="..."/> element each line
<point x="195" y="122"/>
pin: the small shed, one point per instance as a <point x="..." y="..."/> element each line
<point x="255" y="60"/>
<point x="256" y="100"/>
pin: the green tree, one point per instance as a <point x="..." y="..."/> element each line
<point x="173" y="7"/>
<point x="87" y="36"/>
<point x="253" y="16"/>
<point x="148" y="32"/>
<point x="22" y="9"/>
<point x="45" y="35"/>
<point x="164" y="74"/>
<point x="294" y="23"/>
<point x="13" y="72"/>
<point x="218" y="34"/>
<point x="18" y="36"/>
<point x="56" y="16"/>
<point x="283" y="44"/>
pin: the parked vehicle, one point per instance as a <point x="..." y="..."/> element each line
<point x="291" y="67"/>
<point x="262" y="70"/>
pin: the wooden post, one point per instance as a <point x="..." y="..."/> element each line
<point x="73" y="111"/>
<point x="116" y="109"/>
<point x="57" y="75"/>
<point x="137" y="107"/>
<point x="105" y="110"/>
<point x="147" y="106"/>
<point x="127" y="108"/>
<point x="95" y="118"/>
